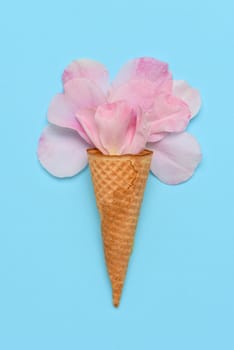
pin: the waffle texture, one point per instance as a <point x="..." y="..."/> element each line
<point x="119" y="183"/>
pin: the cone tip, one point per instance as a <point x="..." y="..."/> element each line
<point x="116" y="295"/>
<point x="116" y="303"/>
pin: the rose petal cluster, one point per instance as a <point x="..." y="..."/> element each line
<point x="142" y="108"/>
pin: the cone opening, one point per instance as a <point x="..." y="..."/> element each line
<point x="95" y="152"/>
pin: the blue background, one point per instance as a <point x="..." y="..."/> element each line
<point x="54" y="290"/>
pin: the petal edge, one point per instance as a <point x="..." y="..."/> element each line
<point x="175" y="158"/>
<point x="61" y="151"/>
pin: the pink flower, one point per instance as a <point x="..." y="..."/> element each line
<point x="142" y="108"/>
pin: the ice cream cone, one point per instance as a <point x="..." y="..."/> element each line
<point x="119" y="183"/>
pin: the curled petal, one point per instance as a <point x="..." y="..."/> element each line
<point x="116" y="126"/>
<point x="175" y="158"/>
<point x="141" y="135"/>
<point x="168" y="114"/>
<point x="188" y="94"/>
<point x="84" y="93"/>
<point x="61" y="151"/>
<point x="88" y="69"/>
<point x="143" y="68"/>
<point x="88" y="124"/>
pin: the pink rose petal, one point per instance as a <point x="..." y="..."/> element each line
<point x="188" y="94"/>
<point x="144" y="68"/>
<point x="140" y="93"/>
<point x="175" y="158"/>
<point x="157" y="137"/>
<point x="88" y="123"/>
<point x="168" y="114"/>
<point x="61" y="151"/>
<point x="116" y="126"/>
<point x="141" y="135"/>
<point x="84" y="93"/>
<point x="88" y="69"/>
<point x="62" y="112"/>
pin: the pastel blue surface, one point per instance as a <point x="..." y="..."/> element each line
<point x="54" y="290"/>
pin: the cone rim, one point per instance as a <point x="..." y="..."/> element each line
<point x="95" y="152"/>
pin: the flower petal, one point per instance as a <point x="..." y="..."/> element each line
<point x="175" y="158"/>
<point x="143" y="68"/>
<point x="62" y="112"/>
<point x="169" y="114"/>
<point x="188" y="94"/>
<point x="88" y="69"/>
<point x="157" y="137"/>
<point x="87" y="121"/>
<point x="84" y="93"/>
<point x="141" y="135"/>
<point x="116" y="126"/>
<point x="140" y="93"/>
<point x="61" y="151"/>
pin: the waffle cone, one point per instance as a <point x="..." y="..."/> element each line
<point x="119" y="183"/>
